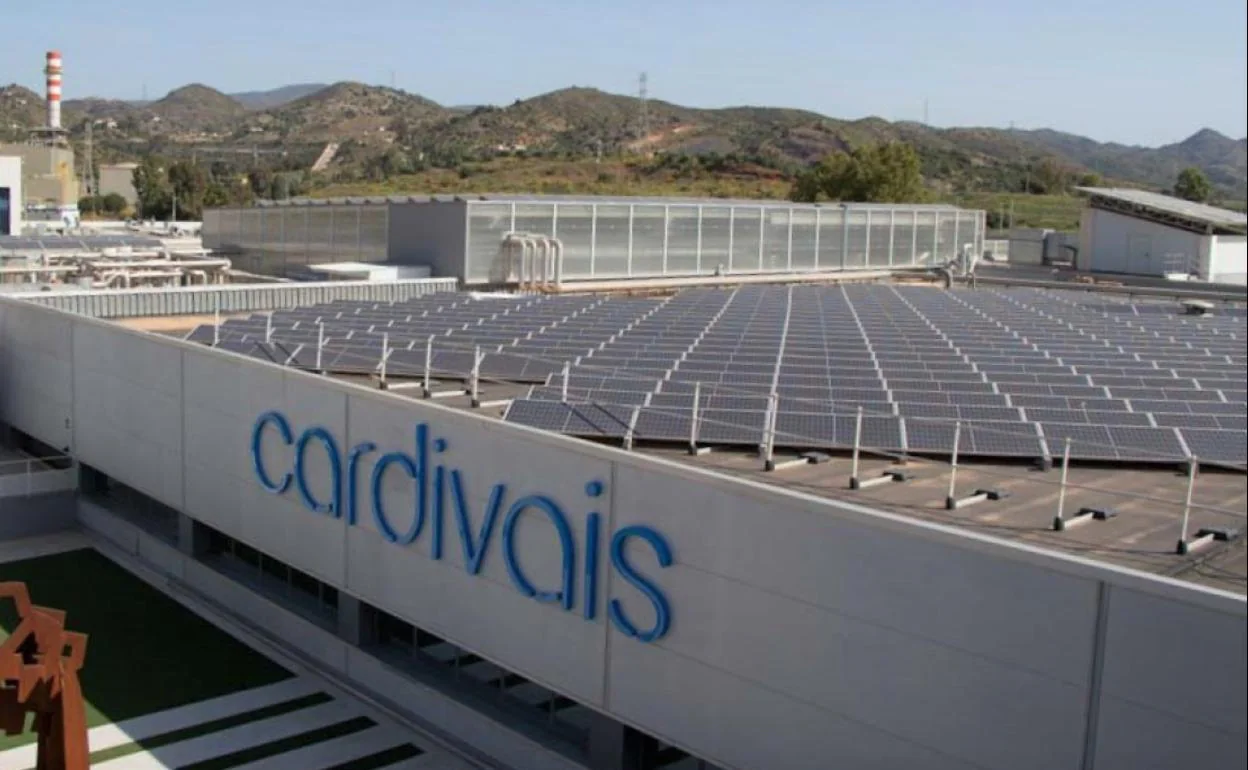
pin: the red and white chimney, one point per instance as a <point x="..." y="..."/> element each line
<point x="54" y="89"/>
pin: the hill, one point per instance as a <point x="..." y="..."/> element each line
<point x="386" y="131"/>
<point x="370" y="115"/>
<point x="197" y="108"/>
<point x="1223" y="159"/>
<point x="275" y="97"/>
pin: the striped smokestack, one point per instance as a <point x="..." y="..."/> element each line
<point x="54" y="89"/>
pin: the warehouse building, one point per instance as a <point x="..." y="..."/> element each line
<point x="486" y="240"/>
<point x="528" y="551"/>
<point x="1134" y="232"/>
<point x="10" y="195"/>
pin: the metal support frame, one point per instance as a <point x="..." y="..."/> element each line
<point x="951" y="502"/>
<point x="385" y="354"/>
<point x="428" y="376"/>
<point x="694" y="421"/>
<point x="1058" y="522"/>
<point x="320" y="345"/>
<point x="474" y="391"/>
<point x="1184" y="545"/>
<point x="563" y="390"/>
<point x="769" y="432"/>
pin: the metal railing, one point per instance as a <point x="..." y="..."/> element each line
<point x="26" y="476"/>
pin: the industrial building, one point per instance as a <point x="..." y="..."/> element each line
<point x="10" y="195"/>
<point x="488" y="240"/>
<point x="49" y="183"/>
<point x="1134" y="232"/>
<point x="859" y="524"/>
<point x="118" y="178"/>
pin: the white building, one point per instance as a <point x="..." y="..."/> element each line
<point x="10" y="195"/>
<point x="1136" y="232"/>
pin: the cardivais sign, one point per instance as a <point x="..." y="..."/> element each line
<point x="439" y="487"/>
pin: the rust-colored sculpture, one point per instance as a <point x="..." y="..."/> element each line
<point x="39" y="665"/>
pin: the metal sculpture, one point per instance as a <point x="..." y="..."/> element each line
<point x="39" y="665"/>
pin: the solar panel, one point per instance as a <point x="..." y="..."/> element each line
<point x="1012" y="365"/>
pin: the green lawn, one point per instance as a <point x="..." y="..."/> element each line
<point x="145" y="652"/>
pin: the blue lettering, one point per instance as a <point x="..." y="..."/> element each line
<point x="439" y="509"/>
<point x="334" y="506"/>
<point x="565" y="594"/>
<point x="592" y="522"/>
<point x="257" y="454"/>
<point x="591" y="566"/>
<point x="474" y="548"/>
<point x="662" y="611"/>
<point x="475" y="541"/>
<point x="353" y="482"/>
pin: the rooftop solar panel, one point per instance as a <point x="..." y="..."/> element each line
<point x="1021" y="369"/>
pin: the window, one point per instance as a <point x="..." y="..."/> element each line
<point x="292" y="588"/>
<point x="146" y="513"/>
<point x="467" y="676"/>
<point x="6" y="204"/>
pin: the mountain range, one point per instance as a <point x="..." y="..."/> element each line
<point x="585" y="122"/>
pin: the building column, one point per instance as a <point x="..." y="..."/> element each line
<point x="613" y="746"/>
<point x="192" y="537"/>
<point x="355" y="621"/>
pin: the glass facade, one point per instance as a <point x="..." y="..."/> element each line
<point x="6" y="208"/>
<point x="620" y="238"/>
<point x="284" y="240"/>
<point x="601" y="238"/>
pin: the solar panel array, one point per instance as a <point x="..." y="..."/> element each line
<point x="1021" y="370"/>
<point x="76" y="243"/>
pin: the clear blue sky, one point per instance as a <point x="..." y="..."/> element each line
<point x="1135" y="71"/>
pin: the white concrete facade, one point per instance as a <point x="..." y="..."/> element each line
<point x="1111" y="242"/>
<point x="803" y="632"/>
<point x="1228" y="259"/>
<point x="11" y="200"/>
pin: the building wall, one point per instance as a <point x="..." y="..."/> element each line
<point x="284" y="240"/>
<point x="48" y="173"/>
<point x="611" y="239"/>
<point x="803" y="633"/>
<point x="1228" y="261"/>
<point x="119" y="179"/>
<point x="431" y="234"/>
<point x="608" y="238"/>
<point x="1114" y="243"/>
<point x="11" y="201"/>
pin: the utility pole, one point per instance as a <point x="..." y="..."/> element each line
<point x="643" y="117"/>
<point x="90" y="160"/>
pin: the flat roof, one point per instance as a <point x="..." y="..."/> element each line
<point x="1145" y="202"/>
<point x="1141" y="505"/>
<point x="588" y="200"/>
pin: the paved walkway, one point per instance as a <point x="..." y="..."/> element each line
<point x="313" y="732"/>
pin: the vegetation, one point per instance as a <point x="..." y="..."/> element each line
<point x="111" y="205"/>
<point x="879" y="173"/>
<point x="587" y="141"/>
<point x="1193" y="185"/>
<point x="162" y="183"/>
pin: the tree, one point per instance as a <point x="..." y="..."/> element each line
<point x="113" y="204"/>
<point x="1049" y="178"/>
<point x="877" y="173"/>
<point x="155" y="195"/>
<point x="189" y="183"/>
<point x="1193" y="185"/>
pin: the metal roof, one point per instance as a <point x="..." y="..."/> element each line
<point x="596" y="199"/>
<point x="1170" y="206"/>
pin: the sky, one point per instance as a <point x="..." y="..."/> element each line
<point x="1133" y="71"/>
